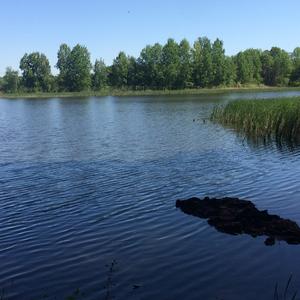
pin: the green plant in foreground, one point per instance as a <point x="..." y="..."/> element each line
<point x="267" y="120"/>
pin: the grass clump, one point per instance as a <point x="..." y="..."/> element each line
<point x="266" y="120"/>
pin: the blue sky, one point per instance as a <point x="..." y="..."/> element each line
<point x="106" y="27"/>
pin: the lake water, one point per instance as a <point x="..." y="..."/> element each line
<point x="86" y="182"/>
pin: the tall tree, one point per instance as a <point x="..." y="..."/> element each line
<point x="63" y="60"/>
<point x="99" y="78"/>
<point x="296" y="57"/>
<point x="74" y="68"/>
<point x="277" y="67"/>
<point x="243" y="68"/>
<point x="79" y="69"/>
<point x="295" y="75"/>
<point x="10" y="81"/>
<point x="230" y="72"/>
<point x="119" y="71"/>
<point x="134" y="73"/>
<point x="36" y="72"/>
<point x="282" y="66"/>
<point x="202" y="61"/>
<point x="249" y="67"/>
<point x="219" y="63"/>
<point x="170" y="63"/>
<point x="267" y="68"/>
<point x="184" y="79"/>
<point x="255" y="56"/>
<point x="150" y="62"/>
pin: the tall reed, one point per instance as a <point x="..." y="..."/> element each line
<point x="269" y="119"/>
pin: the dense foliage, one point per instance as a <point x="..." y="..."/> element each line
<point x="36" y="72"/>
<point x="170" y="66"/>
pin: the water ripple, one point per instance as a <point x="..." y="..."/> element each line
<point x="86" y="182"/>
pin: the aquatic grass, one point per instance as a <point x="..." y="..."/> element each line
<point x="262" y="120"/>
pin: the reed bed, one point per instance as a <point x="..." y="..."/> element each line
<point x="269" y="119"/>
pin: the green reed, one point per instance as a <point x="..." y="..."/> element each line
<point x="269" y="119"/>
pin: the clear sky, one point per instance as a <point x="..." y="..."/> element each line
<point x="108" y="26"/>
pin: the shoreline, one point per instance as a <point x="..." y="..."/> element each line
<point x="124" y="93"/>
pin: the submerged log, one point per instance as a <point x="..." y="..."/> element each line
<point x="235" y="216"/>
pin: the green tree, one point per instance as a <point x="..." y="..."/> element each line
<point x="99" y="78"/>
<point x="243" y="68"/>
<point x="150" y="63"/>
<point x="10" y="81"/>
<point x="255" y="56"/>
<point x="296" y="56"/>
<point x="54" y="83"/>
<point x="230" y="75"/>
<point x="277" y="67"/>
<point x="295" y="75"/>
<point x="134" y="73"/>
<point x="184" y="79"/>
<point x="282" y="66"/>
<point x="170" y="63"/>
<point x="119" y="71"/>
<point x="36" y="72"/>
<point x="74" y="68"/>
<point x="249" y="66"/>
<point x="218" y="63"/>
<point x="63" y="60"/>
<point x="202" y="61"/>
<point x="79" y="69"/>
<point x="267" y="68"/>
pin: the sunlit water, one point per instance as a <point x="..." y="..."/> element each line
<point x="85" y="182"/>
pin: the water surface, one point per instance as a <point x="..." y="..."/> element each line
<point x="88" y="181"/>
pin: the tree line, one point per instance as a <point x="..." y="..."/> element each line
<point x="169" y="66"/>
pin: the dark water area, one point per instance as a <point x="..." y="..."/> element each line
<point x="85" y="182"/>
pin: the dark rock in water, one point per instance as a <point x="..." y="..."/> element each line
<point x="136" y="286"/>
<point x="270" y="241"/>
<point x="235" y="216"/>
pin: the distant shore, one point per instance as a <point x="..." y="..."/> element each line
<point x="120" y="93"/>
